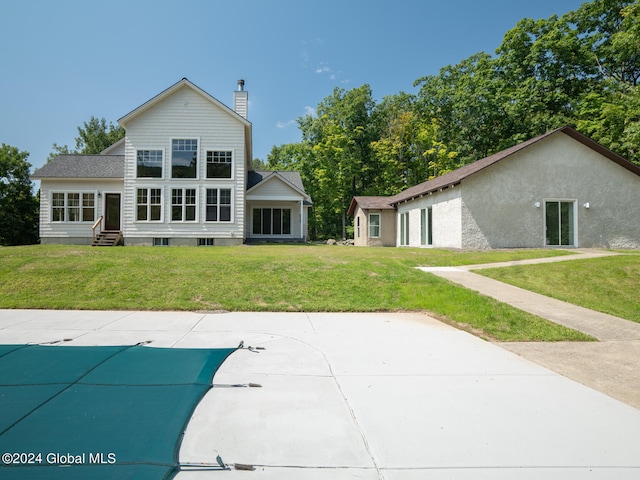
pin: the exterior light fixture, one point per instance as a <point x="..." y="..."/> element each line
<point x="586" y="205"/>
<point x="537" y="204"/>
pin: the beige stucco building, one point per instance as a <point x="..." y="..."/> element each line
<point x="560" y="189"/>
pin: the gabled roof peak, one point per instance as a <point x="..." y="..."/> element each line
<point x="183" y="83"/>
<point x="455" y="177"/>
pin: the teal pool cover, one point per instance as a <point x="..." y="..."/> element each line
<point x="98" y="412"/>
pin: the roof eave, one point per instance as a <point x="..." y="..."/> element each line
<point x="274" y="174"/>
<point x="170" y="91"/>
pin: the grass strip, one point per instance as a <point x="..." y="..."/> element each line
<point x="265" y="278"/>
<point x="606" y="284"/>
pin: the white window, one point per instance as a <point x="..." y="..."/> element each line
<point x="219" y="164"/>
<point x="374" y="225"/>
<point x="149" y="205"/>
<point x="183" y="204"/>
<point x="73" y="207"/>
<point x="149" y="164"/>
<point x="404" y="228"/>
<point x="160" y="242"/>
<point x="184" y="158"/>
<point x="426" y="224"/>
<point x="358" y="226"/>
<point x="218" y="205"/>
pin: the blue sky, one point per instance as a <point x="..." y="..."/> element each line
<point x="64" y="61"/>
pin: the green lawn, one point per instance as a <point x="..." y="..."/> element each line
<point x="264" y="278"/>
<point x="607" y="284"/>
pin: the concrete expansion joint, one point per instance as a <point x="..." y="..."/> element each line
<point x="252" y="467"/>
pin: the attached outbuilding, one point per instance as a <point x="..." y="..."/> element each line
<point x="560" y="189"/>
<point x="374" y="222"/>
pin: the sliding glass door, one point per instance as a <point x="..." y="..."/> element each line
<point x="560" y="223"/>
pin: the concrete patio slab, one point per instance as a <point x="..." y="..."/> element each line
<point x="610" y="365"/>
<point x="372" y="396"/>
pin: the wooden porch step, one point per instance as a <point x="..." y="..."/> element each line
<point x="108" y="238"/>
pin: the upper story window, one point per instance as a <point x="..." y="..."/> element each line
<point x="184" y="158"/>
<point x="149" y="164"/>
<point x="219" y="164"/>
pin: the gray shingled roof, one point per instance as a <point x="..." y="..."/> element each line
<point x="370" y="203"/>
<point x="255" y="177"/>
<point x="82" y="166"/>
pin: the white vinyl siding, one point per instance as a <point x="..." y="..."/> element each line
<point x="185" y="115"/>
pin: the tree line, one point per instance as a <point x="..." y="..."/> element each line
<point x="580" y="69"/>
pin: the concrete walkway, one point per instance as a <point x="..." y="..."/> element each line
<point x="611" y="365"/>
<point x="376" y="396"/>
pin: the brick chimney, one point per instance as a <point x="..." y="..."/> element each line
<point x="241" y="100"/>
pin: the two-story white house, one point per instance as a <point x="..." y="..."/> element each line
<point x="181" y="176"/>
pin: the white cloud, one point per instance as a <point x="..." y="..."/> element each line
<point x="285" y="124"/>
<point x="310" y="111"/>
<point x="323" y="68"/>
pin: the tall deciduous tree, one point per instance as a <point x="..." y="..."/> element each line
<point x="93" y="137"/>
<point x="339" y="140"/>
<point x="581" y="69"/>
<point x="18" y="206"/>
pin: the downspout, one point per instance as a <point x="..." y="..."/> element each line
<point x="302" y="220"/>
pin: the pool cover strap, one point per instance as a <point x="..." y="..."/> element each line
<point x="98" y="412"/>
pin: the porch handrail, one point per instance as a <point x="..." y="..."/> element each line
<point x="96" y="225"/>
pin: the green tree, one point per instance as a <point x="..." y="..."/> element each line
<point x="467" y="101"/>
<point x="93" y="137"/>
<point x="610" y="114"/>
<point x="338" y="155"/>
<point x="609" y="30"/>
<point x="581" y="69"/>
<point x="18" y="206"/>
<point x="612" y="118"/>
<point x="409" y="150"/>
